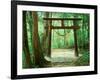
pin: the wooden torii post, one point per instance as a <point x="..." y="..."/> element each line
<point x="74" y="27"/>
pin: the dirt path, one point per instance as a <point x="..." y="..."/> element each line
<point x="62" y="58"/>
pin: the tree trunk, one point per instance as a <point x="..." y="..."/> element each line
<point x="25" y="42"/>
<point x="30" y="22"/>
<point x="39" y="58"/>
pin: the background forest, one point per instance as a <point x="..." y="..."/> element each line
<point x="36" y="37"/>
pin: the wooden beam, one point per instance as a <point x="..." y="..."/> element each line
<point x="62" y="23"/>
<point x="65" y="27"/>
<point x="62" y="18"/>
<point x="49" y="42"/>
<point x="75" y="41"/>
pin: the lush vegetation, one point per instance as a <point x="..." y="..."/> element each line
<point x="83" y="60"/>
<point x="35" y="37"/>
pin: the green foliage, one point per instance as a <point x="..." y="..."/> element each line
<point x="83" y="60"/>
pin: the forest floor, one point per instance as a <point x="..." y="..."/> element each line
<point x="62" y="58"/>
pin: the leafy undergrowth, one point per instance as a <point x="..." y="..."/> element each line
<point x="83" y="60"/>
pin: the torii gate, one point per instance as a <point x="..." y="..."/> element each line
<point x="74" y="27"/>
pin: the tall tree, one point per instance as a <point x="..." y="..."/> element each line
<point x="30" y="40"/>
<point x="45" y="36"/>
<point x="25" y="42"/>
<point x="39" y="58"/>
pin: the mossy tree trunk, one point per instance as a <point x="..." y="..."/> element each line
<point x="25" y="42"/>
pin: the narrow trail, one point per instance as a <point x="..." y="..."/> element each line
<point x="62" y="58"/>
